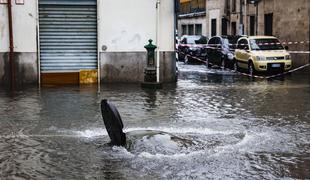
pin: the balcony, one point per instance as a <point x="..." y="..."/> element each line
<point x="192" y="12"/>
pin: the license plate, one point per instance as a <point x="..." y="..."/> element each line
<point x="276" y="65"/>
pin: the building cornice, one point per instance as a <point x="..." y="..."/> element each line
<point x="192" y="15"/>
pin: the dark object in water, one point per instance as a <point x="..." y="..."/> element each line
<point x="113" y="123"/>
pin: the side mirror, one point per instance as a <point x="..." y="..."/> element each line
<point x="286" y="47"/>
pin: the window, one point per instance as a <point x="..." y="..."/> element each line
<point x="193" y="6"/>
<point x="226" y="44"/>
<point x="185" y="8"/>
<point x="243" y="44"/>
<point x="252" y="25"/>
<point x="202" y="5"/>
<point x="233" y="28"/>
<point x="224" y="26"/>
<point x="193" y="39"/>
<point x="218" y="41"/>
<point x="211" y="41"/>
<point x="215" y="41"/>
<point x="233" y="9"/>
<point x="198" y="29"/>
<point x="184" y="41"/>
<point x="227" y="6"/>
<point x="213" y="27"/>
<point x="191" y="29"/>
<point x="184" y="32"/>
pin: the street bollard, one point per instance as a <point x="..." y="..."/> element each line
<point x="150" y="70"/>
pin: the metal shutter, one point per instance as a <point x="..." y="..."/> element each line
<point x="68" y="35"/>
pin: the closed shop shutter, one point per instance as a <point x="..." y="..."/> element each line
<point x="68" y="35"/>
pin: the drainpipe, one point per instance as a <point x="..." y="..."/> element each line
<point x="256" y="14"/>
<point x="11" y="53"/>
<point x="176" y="13"/>
<point x="246" y="18"/>
<point x="241" y="19"/>
<point x="157" y="39"/>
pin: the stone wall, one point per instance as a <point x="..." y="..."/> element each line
<point x="129" y="66"/>
<point x="26" y="69"/>
<point x="24" y="19"/>
<point x="290" y="23"/>
<point x="215" y="10"/>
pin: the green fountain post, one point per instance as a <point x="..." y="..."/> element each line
<point x="150" y="78"/>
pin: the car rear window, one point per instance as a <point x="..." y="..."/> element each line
<point x="192" y="40"/>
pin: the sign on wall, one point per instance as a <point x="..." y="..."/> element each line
<point x="20" y="2"/>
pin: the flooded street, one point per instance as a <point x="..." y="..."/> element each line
<point x="223" y="125"/>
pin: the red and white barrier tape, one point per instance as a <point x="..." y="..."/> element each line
<point x="288" y="72"/>
<point x="299" y="52"/>
<point x="249" y="75"/>
<point x="283" y="43"/>
<point x="232" y="50"/>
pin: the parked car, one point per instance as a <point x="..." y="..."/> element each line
<point x="262" y="54"/>
<point x="220" y="50"/>
<point x="192" y="46"/>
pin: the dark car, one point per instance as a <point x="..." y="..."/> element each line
<point x="192" y="47"/>
<point x="220" y="50"/>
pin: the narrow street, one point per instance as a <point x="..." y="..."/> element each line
<point x="223" y="125"/>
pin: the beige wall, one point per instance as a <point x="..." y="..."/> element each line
<point x="125" y="26"/>
<point x="24" y="27"/>
<point x="215" y="10"/>
<point x="290" y="23"/>
<point x="196" y="20"/>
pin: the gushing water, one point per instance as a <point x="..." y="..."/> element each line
<point x="210" y="124"/>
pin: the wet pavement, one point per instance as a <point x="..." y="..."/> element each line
<point x="211" y="124"/>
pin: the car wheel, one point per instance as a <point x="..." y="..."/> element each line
<point x="223" y="63"/>
<point x="235" y="66"/>
<point x="251" y="69"/>
<point x="186" y="60"/>
<point x="209" y="60"/>
<point x="180" y="57"/>
<point x="208" y="64"/>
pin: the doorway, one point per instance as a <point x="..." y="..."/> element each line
<point x="68" y="40"/>
<point x="213" y="27"/>
<point x="268" y="24"/>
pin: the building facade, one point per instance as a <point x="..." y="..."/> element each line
<point x="216" y="17"/>
<point x="288" y="20"/>
<point x="191" y="18"/>
<point x="57" y="39"/>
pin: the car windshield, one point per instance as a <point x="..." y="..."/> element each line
<point x="265" y="44"/>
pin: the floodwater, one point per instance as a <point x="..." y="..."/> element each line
<point x="211" y="124"/>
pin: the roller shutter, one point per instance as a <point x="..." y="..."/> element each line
<point x="68" y="35"/>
